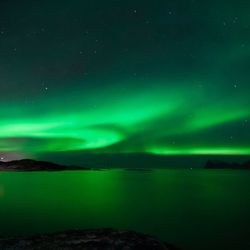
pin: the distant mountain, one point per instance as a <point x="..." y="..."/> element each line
<point x="225" y="165"/>
<point x="33" y="165"/>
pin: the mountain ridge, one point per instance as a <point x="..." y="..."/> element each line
<point x="34" y="165"/>
<point x="215" y="164"/>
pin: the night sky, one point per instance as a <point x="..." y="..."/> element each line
<point x="136" y="76"/>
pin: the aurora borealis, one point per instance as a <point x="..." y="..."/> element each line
<point x="112" y="77"/>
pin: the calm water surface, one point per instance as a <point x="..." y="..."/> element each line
<point x="199" y="209"/>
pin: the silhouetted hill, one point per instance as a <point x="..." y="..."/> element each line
<point x="137" y="160"/>
<point x="225" y="165"/>
<point x="33" y="165"/>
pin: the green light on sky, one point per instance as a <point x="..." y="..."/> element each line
<point x="168" y="78"/>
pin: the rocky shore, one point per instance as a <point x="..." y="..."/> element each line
<point x="225" y="165"/>
<point x="100" y="239"/>
<point x="33" y="165"/>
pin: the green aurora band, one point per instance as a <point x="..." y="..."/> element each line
<point x="147" y="121"/>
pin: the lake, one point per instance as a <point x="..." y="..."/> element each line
<point x="199" y="209"/>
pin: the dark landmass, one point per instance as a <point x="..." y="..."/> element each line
<point x="226" y="165"/>
<point x="137" y="160"/>
<point x="27" y="165"/>
<point x="32" y="165"/>
<point x="100" y="239"/>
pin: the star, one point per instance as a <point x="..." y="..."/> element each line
<point x="235" y="20"/>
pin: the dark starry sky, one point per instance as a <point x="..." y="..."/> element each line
<point x="108" y="77"/>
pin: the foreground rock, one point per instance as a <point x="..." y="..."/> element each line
<point x="226" y="165"/>
<point x="32" y="165"/>
<point x="102" y="239"/>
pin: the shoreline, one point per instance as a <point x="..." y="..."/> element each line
<point x="98" y="239"/>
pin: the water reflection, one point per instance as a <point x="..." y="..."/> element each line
<point x="2" y="191"/>
<point x="186" y="208"/>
